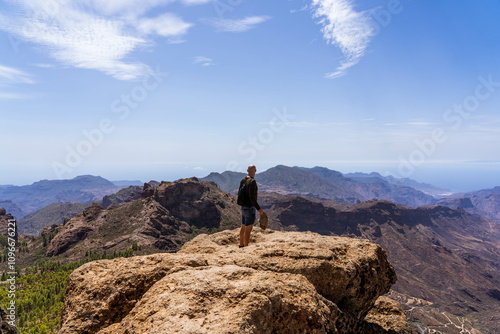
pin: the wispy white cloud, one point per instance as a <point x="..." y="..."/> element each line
<point x="305" y="124"/>
<point x="45" y="65"/>
<point x="345" y="28"/>
<point x="13" y="96"/>
<point x="11" y="75"/>
<point x="242" y="25"/>
<point x="133" y="8"/>
<point x="165" y="25"/>
<point x="124" y="7"/>
<point x="303" y="8"/>
<point x="176" y="40"/>
<point x="196" y="2"/>
<point x="413" y="123"/>
<point x="203" y="61"/>
<point x="96" y="35"/>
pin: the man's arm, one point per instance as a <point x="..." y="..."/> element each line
<point x="252" y="192"/>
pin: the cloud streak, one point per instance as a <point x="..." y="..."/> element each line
<point x="12" y="75"/>
<point x="203" y="61"/>
<point x="345" y="28"/>
<point x="242" y="25"/>
<point x="165" y="25"/>
<point x="13" y="96"/>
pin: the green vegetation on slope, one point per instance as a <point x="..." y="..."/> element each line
<point x="39" y="293"/>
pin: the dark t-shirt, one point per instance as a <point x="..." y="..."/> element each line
<point x="252" y="189"/>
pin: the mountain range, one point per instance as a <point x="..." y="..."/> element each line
<point x="351" y="188"/>
<point x="317" y="182"/>
<point x="23" y="200"/>
<point x="325" y="183"/>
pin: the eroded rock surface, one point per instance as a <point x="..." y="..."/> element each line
<point x="284" y="282"/>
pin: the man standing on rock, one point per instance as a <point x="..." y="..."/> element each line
<point x="247" y="198"/>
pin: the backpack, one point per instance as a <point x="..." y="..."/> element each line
<point x="243" y="193"/>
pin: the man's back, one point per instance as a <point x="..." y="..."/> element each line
<point x="251" y="190"/>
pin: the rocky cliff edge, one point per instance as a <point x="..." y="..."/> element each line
<point x="283" y="282"/>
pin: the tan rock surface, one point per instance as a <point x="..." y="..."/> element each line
<point x="230" y="299"/>
<point x="284" y="282"/>
<point x="102" y="292"/>
<point x="350" y="272"/>
<point x="389" y="315"/>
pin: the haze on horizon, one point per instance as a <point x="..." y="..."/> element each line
<point x="167" y="89"/>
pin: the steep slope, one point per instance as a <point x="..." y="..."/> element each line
<point x="162" y="220"/>
<point x="444" y="256"/>
<point x="81" y="189"/>
<point x="281" y="283"/>
<point x="54" y="213"/>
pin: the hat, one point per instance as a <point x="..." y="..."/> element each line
<point x="263" y="221"/>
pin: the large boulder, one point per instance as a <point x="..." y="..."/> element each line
<point x="350" y="272"/>
<point x="284" y="282"/>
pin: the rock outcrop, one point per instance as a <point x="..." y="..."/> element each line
<point x="4" y="222"/>
<point x="162" y="219"/>
<point x="284" y="282"/>
<point x="124" y="195"/>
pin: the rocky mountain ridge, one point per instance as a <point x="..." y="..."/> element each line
<point x="161" y="220"/>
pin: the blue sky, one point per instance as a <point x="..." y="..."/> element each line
<point x="163" y="89"/>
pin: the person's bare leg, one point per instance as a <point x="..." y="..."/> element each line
<point x="248" y="230"/>
<point x="242" y="235"/>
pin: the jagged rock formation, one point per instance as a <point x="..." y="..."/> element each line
<point x="4" y="222"/>
<point x="284" y="282"/>
<point x="129" y="194"/>
<point x="162" y="219"/>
